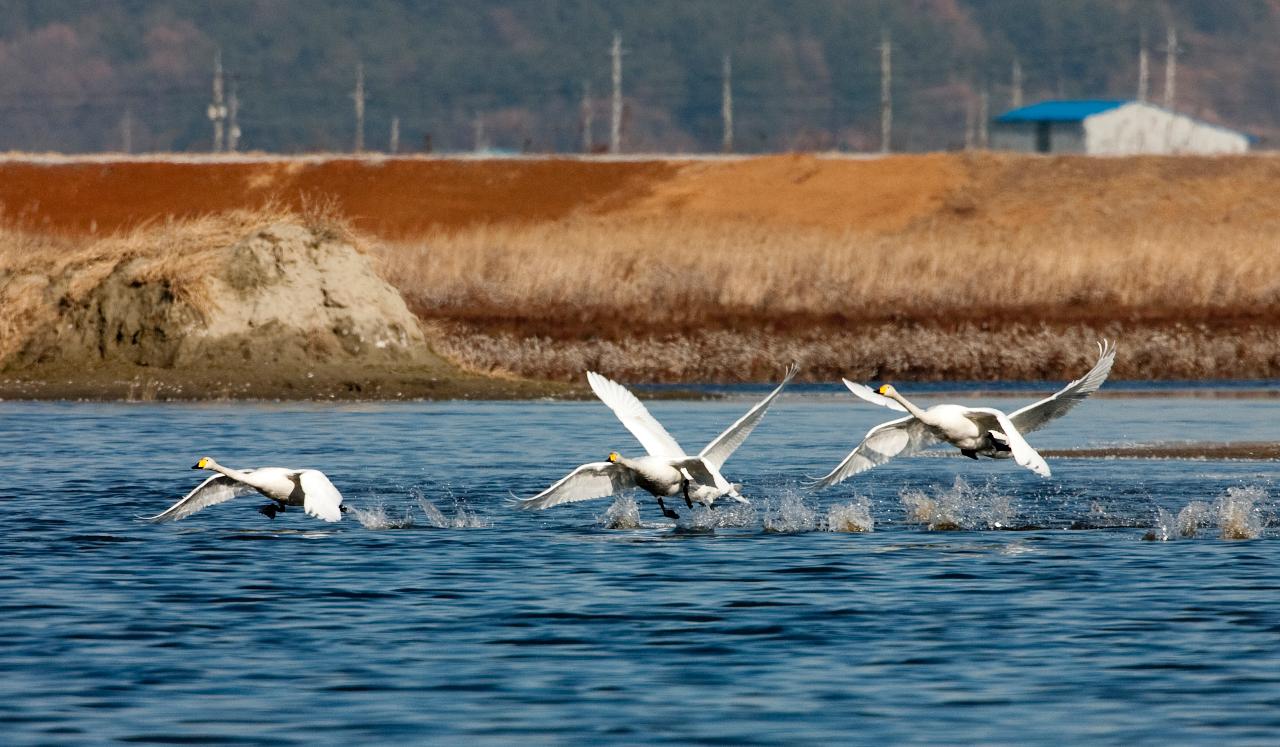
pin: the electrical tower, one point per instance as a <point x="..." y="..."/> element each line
<point x="217" y="107"/>
<point x="726" y="104"/>
<point x="1015" y="93"/>
<point x="615" y="124"/>
<point x="358" y="97"/>
<point x="588" y="118"/>
<point x="886" y="91"/>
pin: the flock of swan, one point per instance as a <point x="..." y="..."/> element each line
<point x="668" y="472"/>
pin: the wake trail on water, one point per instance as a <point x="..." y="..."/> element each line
<point x="378" y="516"/>
<point x="1239" y="513"/>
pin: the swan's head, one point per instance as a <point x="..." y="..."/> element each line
<point x="887" y="390"/>
<point x="614" y="456"/>
<point x="203" y="463"/>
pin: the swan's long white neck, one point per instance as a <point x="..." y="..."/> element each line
<point x="916" y="412"/>
<point x="234" y="474"/>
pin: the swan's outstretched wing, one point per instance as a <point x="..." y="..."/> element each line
<point x="647" y="430"/>
<point x="872" y="396"/>
<point x="719" y="450"/>
<point x="591" y="480"/>
<point x="1022" y="452"/>
<point x="215" y="490"/>
<point x="319" y="497"/>
<point x="901" y="437"/>
<point x="1037" y="414"/>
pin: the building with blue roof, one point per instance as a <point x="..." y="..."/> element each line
<point x="1109" y="127"/>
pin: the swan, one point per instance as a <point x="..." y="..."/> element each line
<point x="976" y="431"/>
<point x="308" y="488"/>
<point x="667" y="470"/>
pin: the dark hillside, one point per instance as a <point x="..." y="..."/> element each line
<point x="78" y="76"/>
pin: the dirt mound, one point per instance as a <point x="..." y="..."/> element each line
<point x="239" y="305"/>
<point x="281" y="296"/>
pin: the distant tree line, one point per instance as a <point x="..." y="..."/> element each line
<point x="80" y="76"/>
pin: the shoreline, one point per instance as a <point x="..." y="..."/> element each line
<point x="174" y="388"/>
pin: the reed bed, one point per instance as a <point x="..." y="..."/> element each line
<point x="695" y="301"/>
<point x="653" y="275"/>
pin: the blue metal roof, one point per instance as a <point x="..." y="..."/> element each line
<point x="1075" y="110"/>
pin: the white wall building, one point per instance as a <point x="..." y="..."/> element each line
<point x="1107" y="127"/>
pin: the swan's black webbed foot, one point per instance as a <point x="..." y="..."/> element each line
<point x="270" y="510"/>
<point x="666" y="511"/>
<point x="684" y="487"/>
<point x="969" y="453"/>
<point x="342" y="509"/>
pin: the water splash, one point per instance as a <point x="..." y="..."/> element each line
<point x="726" y="514"/>
<point x="464" y="517"/>
<point x="623" y="513"/>
<point x="376" y="517"/>
<point x="1239" y="515"/>
<point x="789" y="515"/>
<point x="959" y="507"/>
<point x="1165" y="526"/>
<point x="851" y="517"/>
<point x="1192" y="517"/>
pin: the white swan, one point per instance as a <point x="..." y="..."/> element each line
<point x="667" y="470"/>
<point x="308" y="488"/>
<point x="976" y="431"/>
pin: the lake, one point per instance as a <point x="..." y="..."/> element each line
<point x="987" y="604"/>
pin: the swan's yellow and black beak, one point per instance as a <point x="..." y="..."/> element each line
<point x="884" y="389"/>
<point x="204" y="461"/>
<point x="614" y="456"/>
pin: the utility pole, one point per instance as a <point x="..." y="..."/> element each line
<point x="886" y="91"/>
<point x="217" y="109"/>
<point x="588" y="118"/>
<point x="726" y="104"/>
<point x="358" y="97"/>
<point x="1144" y="68"/>
<point x="233" y="114"/>
<point x="126" y="130"/>
<point x="1015" y="95"/>
<point x="615" y="125"/>
<point x="394" y="147"/>
<point x="984" y="114"/>
<point x="1170" y="65"/>
<point x="968" y="122"/>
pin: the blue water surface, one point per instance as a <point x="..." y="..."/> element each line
<point x="506" y="627"/>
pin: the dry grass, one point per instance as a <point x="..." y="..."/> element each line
<point x="651" y="275"/>
<point x="695" y="301"/>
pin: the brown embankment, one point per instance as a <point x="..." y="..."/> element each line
<point x="931" y="266"/>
